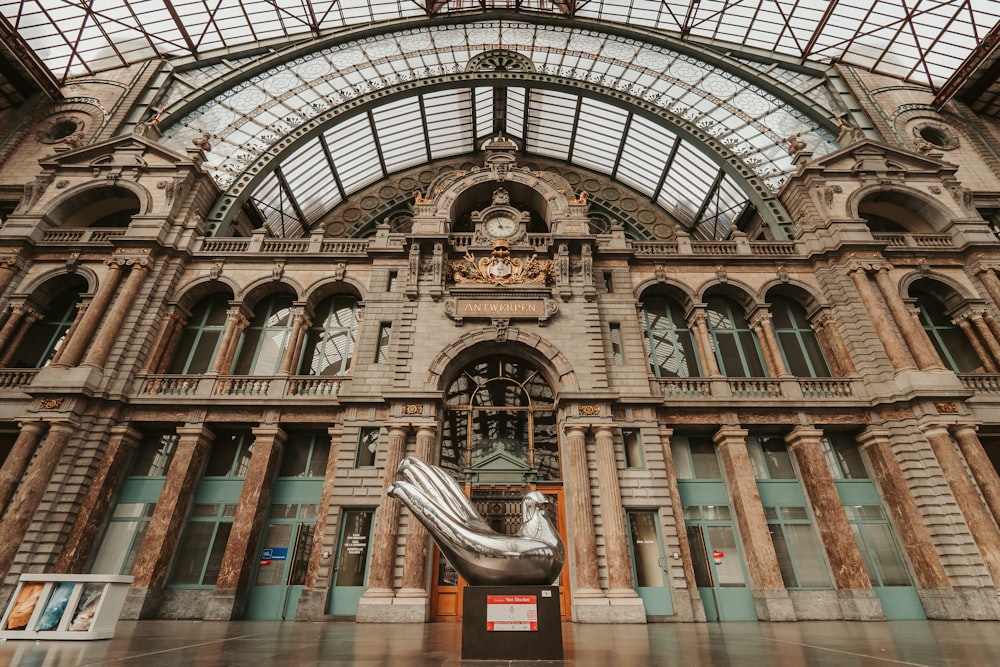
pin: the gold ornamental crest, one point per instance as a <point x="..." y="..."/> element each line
<point x="502" y="269"/>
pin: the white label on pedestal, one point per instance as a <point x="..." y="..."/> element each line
<point x="511" y="613"/>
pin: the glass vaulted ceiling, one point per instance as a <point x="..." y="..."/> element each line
<point x="922" y="41"/>
<point x="298" y="136"/>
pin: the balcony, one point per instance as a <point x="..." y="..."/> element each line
<point x="797" y="389"/>
<point x="156" y="388"/>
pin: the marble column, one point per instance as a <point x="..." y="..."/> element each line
<point x="228" y="600"/>
<point x="383" y="558"/>
<point x="927" y="566"/>
<point x="893" y="347"/>
<point x="584" y="542"/>
<point x="677" y="510"/>
<point x="620" y="582"/>
<point x="236" y="322"/>
<point x="857" y="599"/>
<point x="17" y="518"/>
<point x="981" y="524"/>
<point x="698" y="324"/>
<point x="12" y="326"/>
<point x="81" y="308"/>
<point x="764" y="330"/>
<point x="17" y="460"/>
<point x="834" y="348"/>
<point x="168" y="520"/>
<point x="980" y="464"/>
<point x="970" y="335"/>
<point x="24" y="327"/>
<point x="312" y="603"/>
<point x="300" y="325"/>
<point x="101" y="493"/>
<point x="988" y="276"/>
<point x="166" y="341"/>
<point x="9" y="267"/>
<point x="99" y="351"/>
<point x="75" y="345"/>
<point x="979" y="320"/>
<point x="415" y="551"/>
<point x="916" y="338"/>
<point x="770" y="597"/>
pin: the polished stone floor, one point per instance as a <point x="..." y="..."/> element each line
<point x="219" y="644"/>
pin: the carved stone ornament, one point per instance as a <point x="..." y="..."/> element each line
<point x="501" y="269"/>
<point x="947" y="408"/>
<point x="413" y="409"/>
<point x="50" y="403"/>
<point x="590" y="410"/>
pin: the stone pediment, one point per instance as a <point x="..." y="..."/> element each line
<point x="120" y="153"/>
<point x="501" y="468"/>
<point x="872" y="158"/>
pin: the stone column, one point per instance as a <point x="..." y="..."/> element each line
<point x="857" y="599"/>
<point x="11" y="328"/>
<point x="300" y="325"/>
<point x="980" y="464"/>
<point x="312" y="603"/>
<point x="108" y="334"/>
<point x="988" y="276"/>
<point x="979" y="320"/>
<point x="81" y="308"/>
<point x="415" y="553"/>
<point x="916" y="338"/>
<point x="970" y="335"/>
<point x="236" y="322"/>
<point x="89" y="319"/>
<point x="837" y="354"/>
<point x="166" y="341"/>
<point x="8" y="269"/>
<point x="168" y="520"/>
<point x="29" y="319"/>
<point x="228" y="600"/>
<point x="894" y="349"/>
<point x="770" y="597"/>
<point x="383" y="559"/>
<point x="574" y="455"/>
<point x="677" y="509"/>
<point x="17" y="518"/>
<point x="101" y="493"/>
<point x="620" y="582"/>
<point x="916" y="539"/>
<point x="698" y="324"/>
<point x="981" y="524"/>
<point x="764" y="330"/>
<point x="17" y="460"/>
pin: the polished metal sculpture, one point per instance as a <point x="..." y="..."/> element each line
<point x="483" y="557"/>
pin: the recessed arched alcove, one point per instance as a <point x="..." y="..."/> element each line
<point x="106" y="206"/>
<point x="891" y="211"/>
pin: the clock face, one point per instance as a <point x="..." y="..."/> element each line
<point x="501" y="226"/>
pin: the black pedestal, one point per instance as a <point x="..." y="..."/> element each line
<point x="511" y="623"/>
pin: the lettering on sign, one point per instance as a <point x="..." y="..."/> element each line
<point x="512" y="308"/>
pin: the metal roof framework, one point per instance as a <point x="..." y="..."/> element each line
<point x="919" y="41"/>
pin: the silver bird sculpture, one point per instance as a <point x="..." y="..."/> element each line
<point x="483" y="557"/>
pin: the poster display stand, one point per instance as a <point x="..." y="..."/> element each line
<point x="511" y="623"/>
<point x="64" y="606"/>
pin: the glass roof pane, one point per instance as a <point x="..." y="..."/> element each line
<point x="352" y="145"/>
<point x="400" y="131"/>
<point x="550" y="123"/>
<point x="310" y="177"/>
<point x="598" y="135"/>
<point x="450" y="126"/>
<point x="646" y="149"/>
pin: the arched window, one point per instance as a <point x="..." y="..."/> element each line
<point x="669" y="344"/>
<point x="199" y="341"/>
<point x="263" y="342"/>
<point x="46" y="336"/>
<point x="736" y="348"/>
<point x="500" y="405"/>
<point x="329" y="344"/>
<point x="951" y="343"/>
<point x="799" y="345"/>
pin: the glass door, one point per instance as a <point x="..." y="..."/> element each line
<point x="281" y="571"/>
<point x="351" y="567"/>
<point x="649" y="563"/>
<point x="718" y="564"/>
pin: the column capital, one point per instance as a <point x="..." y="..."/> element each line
<point x="803" y="435"/>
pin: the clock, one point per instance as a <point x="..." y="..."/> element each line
<point x="501" y="226"/>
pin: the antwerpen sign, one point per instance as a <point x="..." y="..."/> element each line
<point x="480" y="308"/>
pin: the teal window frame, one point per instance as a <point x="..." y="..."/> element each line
<point x="262" y="344"/>
<point x="46" y="336"/>
<point x="670" y="346"/>
<point x="635" y="457"/>
<point x="330" y="341"/>
<point x="799" y="345"/>
<point x="948" y="339"/>
<point x="207" y="322"/>
<point x="737" y="350"/>
<point x="367" y="455"/>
